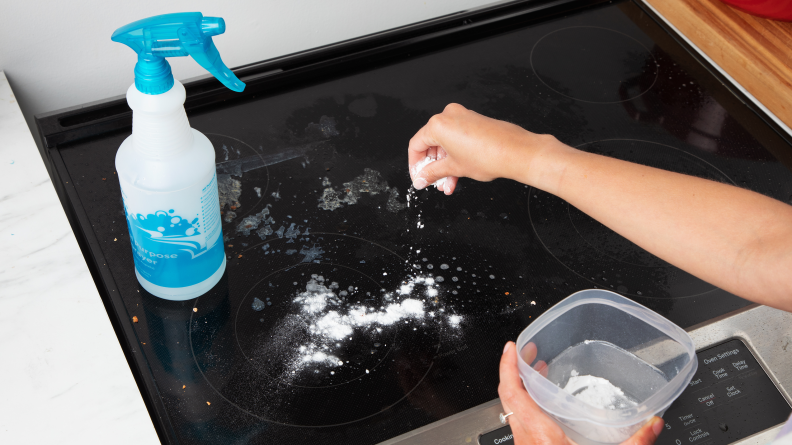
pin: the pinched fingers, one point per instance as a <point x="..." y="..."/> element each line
<point x="449" y="184"/>
<point x="424" y="144"/>
<point x="430" y="172"/>
<point x="424" y="155"/>
<point x="446" y="185"/>
<point x="417" y="152"/>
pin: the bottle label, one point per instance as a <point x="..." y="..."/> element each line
<point x="176" y="237"/>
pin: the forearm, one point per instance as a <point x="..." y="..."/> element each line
<point x="735" y="239"/>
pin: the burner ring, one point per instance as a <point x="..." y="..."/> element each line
<point x="588" y="85"/>
<point x="239" y="383"/>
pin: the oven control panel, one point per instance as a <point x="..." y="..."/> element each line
<point x="729" y="398"/>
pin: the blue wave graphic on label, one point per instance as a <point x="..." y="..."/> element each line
<point x="172" y="251"/>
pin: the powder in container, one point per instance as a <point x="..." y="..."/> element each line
<point x="597" y="392"/>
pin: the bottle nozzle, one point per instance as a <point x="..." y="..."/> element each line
<point x="212" y="26"/>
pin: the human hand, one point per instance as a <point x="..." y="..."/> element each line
<point x="463" y="143"/>
<point x="529" y="424"/>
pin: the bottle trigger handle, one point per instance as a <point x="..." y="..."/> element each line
<point x="174" y="35"/>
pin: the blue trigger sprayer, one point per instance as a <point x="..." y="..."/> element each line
<point x="167" y="169"/>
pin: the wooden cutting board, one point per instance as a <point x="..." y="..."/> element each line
<point x="756" y="52"/>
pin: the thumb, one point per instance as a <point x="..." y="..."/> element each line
<point x="648" y="433"/>
<point x="432" y="172"/>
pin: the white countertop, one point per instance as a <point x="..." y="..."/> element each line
<point x="64" y="377"/>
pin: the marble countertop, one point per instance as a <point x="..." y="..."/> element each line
<point x="64" y="376"/>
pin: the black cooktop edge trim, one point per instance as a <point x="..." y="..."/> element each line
<point x="285" y="73"/>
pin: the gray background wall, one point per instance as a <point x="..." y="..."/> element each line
<point x="58" y="54"/>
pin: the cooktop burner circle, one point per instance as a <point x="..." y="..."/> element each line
<point x="318" y="343"/>
<point x="600" y="255"/>
<point x="241" y="170"/>
<point x="594" y="64"/>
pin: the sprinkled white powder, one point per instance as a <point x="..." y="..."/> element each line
<point x="326" y="319"/>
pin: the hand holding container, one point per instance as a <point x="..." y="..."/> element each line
<point x="602" y="334"/>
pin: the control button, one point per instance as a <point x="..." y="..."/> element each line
<point x="723" y="427"/>
<point x="688" y="420"/>
<point x="732" y="391"/>
<point x="707" y="400"/>
<point x="501" y="436"/>
<point x="698" y="435"/>
<point x="720" y="373"/>
<point x="739" y="365"/>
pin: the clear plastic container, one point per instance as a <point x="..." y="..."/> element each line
<point x="602" y="334"/>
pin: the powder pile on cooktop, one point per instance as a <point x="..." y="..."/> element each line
<point x="328" y="315"/>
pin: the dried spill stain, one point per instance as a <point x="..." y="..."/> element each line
<point x="230" y="190"/>
<point x="369" y="182"/>
<point x="252" y="222"/>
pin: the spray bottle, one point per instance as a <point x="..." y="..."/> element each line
<point x="167" y="169"/>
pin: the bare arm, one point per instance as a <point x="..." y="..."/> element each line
<point x="736" y="239"/>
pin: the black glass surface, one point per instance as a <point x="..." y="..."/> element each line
<point x="730" y="397"/>
<point x="328" y="161"/>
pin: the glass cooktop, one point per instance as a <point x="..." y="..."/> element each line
<point x="354" y="308"/>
